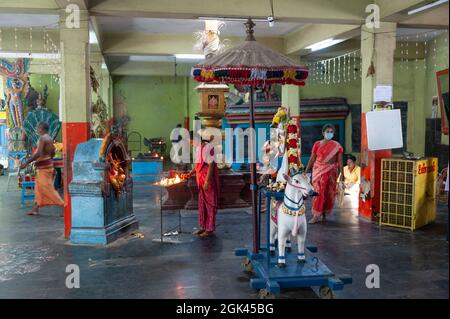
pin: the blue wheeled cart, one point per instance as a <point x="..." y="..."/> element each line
<point x="270" y="279"/>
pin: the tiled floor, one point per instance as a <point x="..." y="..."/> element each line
<point x="34" y="256"/>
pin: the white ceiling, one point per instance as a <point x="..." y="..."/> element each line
<point x="20" y="20"/>
<point x="186" y="26"/>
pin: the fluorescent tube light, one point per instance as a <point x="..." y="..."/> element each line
<point x="190" y="56"/>
<point x="427" y="6"/>
<point x="231" y="19"/>
<point x="151" y="58"/>
<point x="26" y="55"/>
<point x="323" y="44"/>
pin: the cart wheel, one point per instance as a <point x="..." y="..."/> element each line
<point x="247" y="265"/>
<point x="326" y="292"/>
<point x="265" y="294"/>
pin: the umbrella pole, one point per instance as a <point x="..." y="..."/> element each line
<point x="253" y="186"/>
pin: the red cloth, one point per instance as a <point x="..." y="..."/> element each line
<point x="325" y="173"/>
<point x="207" y="200"/>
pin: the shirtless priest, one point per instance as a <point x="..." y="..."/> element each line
<point x="45" y="193"/>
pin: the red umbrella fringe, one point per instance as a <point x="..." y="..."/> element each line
<point x="242" y="67"/>
<point x="250" y="82"/>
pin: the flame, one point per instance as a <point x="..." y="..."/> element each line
<point x="170" y="181"/>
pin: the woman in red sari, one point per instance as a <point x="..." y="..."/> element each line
<point x="325" y="159"/>
<point x="207" y="174"/>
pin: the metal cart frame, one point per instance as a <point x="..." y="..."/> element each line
<point x="270" y="279"/>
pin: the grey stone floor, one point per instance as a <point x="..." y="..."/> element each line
<point x="34" y="256"/>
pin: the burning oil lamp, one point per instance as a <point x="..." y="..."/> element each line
<point x="170" y="181"/>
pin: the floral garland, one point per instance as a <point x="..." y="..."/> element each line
<point x="293" y="151"/>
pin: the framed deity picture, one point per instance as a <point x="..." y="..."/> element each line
<point x="213" y="102"/>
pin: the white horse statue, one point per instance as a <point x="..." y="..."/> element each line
<point x="290" y="217"/>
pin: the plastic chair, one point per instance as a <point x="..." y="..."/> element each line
<point x="25" y="196"/>
<point x="12" y="174"/>
<point x="30" y="185"/>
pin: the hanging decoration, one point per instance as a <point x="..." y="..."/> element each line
<point x="48" y="46"/>
<point x="336" y="70"/>
<point x="207" y="41"/>
<point x="421" y="48"/>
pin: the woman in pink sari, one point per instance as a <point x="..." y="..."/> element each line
<point x="325" y="159"/>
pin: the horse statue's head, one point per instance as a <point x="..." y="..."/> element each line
<point x="298" y="185"/>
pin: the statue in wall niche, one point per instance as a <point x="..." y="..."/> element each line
<point x="99" y="119"/>
<point x="36" y="100"/>
<point x="94" y="83"/>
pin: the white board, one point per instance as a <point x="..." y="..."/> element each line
<point x="384" y="130"/>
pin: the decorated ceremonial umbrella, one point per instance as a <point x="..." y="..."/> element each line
<point x="251" y="63"/>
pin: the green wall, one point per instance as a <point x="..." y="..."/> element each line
<point x="193" y="100"/>
<point x="155" y="104"/>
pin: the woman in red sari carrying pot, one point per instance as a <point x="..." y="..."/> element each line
<point x="326" y="159"/>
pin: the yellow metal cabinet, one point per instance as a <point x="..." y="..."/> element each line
<point x="408" y="192"/>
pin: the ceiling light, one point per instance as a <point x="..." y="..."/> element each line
<point x="271" y="21"/>
<point x="427" y="6"/>
<point x="26" y="55"/>
<point x="151" y="58"/>
<point x="323" y="44"/>
<point x="190" y="56"/>
<point x="93" y="37"/>
<point x="231" y="19"/>
<point x="212" y="25"/>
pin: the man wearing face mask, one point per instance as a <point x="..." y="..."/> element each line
<point x="326" y="159"/>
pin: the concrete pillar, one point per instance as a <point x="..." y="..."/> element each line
<point x="377" y="49"/>
<point x="75" y="97"/>
<point x="290" y="98"/>
<point x="377" y="46"/>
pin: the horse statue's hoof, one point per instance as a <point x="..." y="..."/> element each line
<point x="281" y="265"/>
<point x="288" y="249"/>
<point x="301" y="261"/>
<point x="272" y="253"/>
